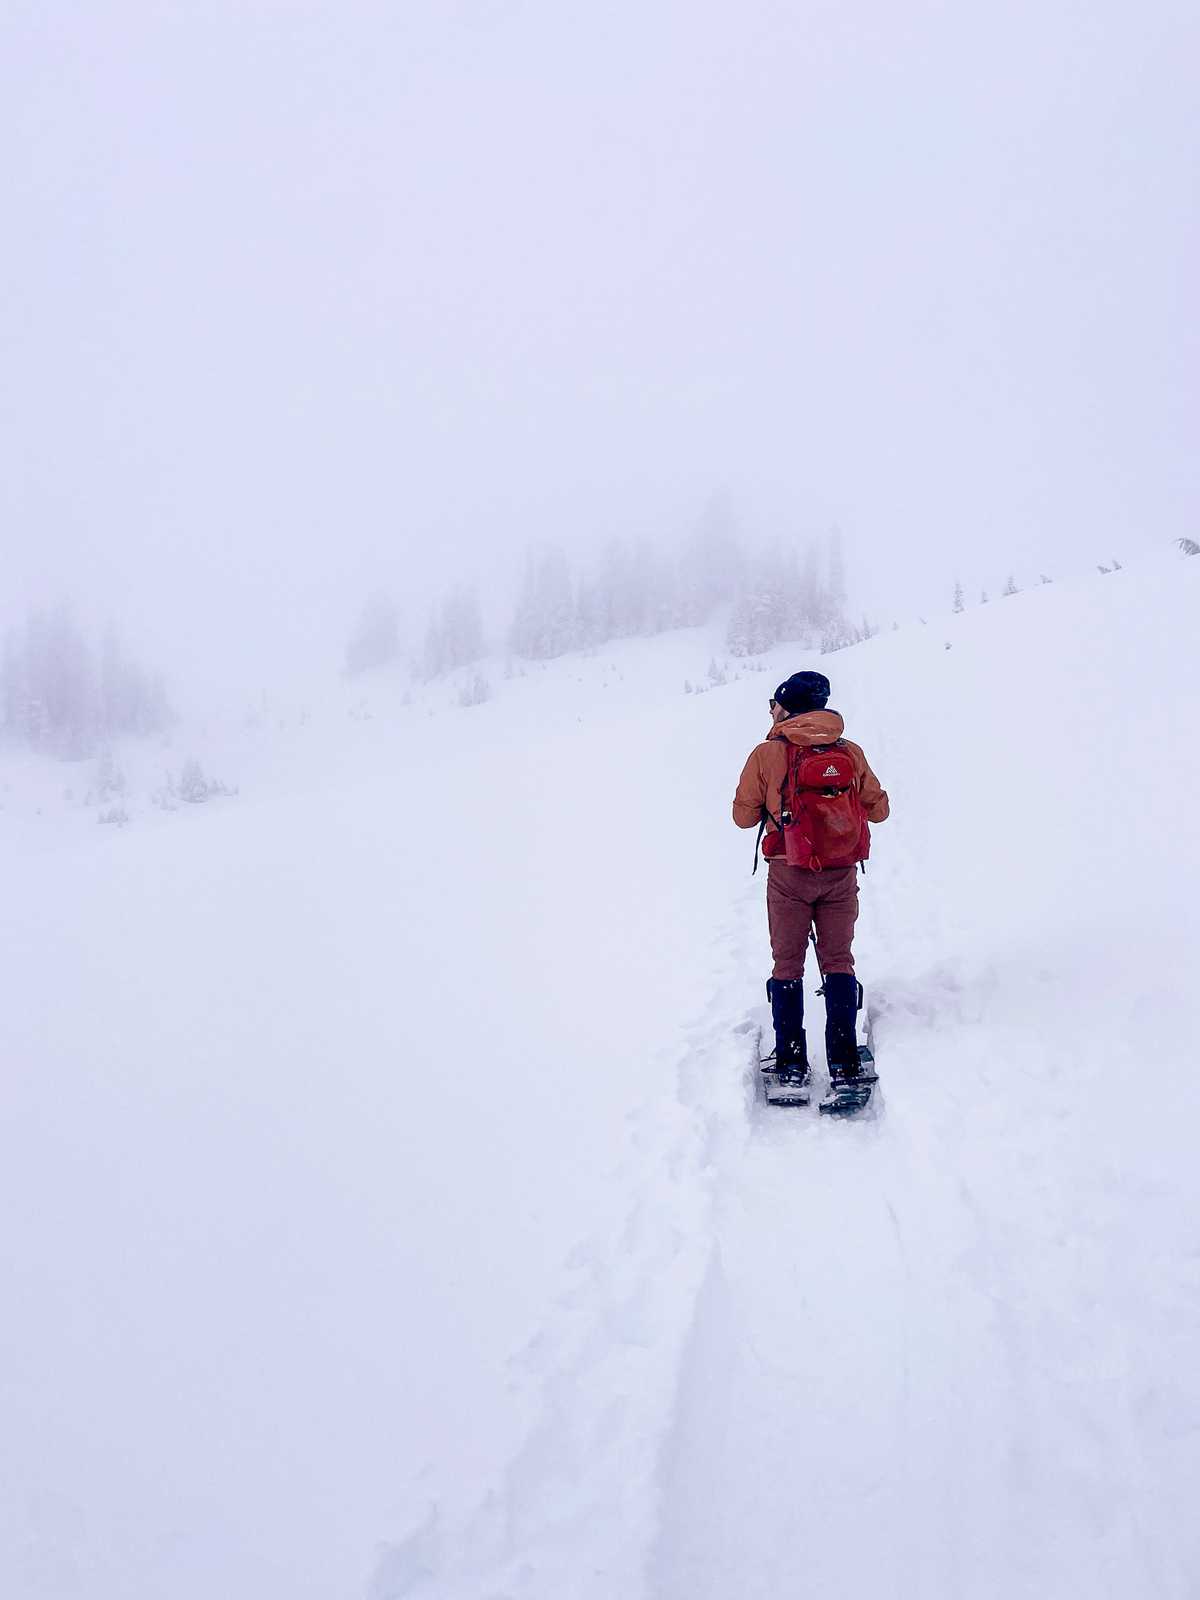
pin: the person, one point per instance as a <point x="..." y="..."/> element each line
<point x="800" y="896"/>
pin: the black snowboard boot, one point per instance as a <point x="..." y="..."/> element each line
<point x="842" y="999"/>
<point x="787" y="1013"/>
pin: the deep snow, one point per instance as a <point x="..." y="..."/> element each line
<point x="388" y="1210"/>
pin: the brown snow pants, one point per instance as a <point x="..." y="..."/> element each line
<point x="798" y="898"/>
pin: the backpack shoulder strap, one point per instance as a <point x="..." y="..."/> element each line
<point x="787" y="789"/>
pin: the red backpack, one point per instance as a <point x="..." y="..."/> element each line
<point x="822" y="817"/>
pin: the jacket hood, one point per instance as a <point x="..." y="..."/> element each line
<point x="810" y="727"/>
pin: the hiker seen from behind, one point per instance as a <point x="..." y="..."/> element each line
<point x="812" y="795"/>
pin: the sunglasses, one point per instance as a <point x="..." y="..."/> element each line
<point x="772" y="702"/>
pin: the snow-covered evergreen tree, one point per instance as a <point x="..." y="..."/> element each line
<point x="376" y="637"/>
<point x="591" y="614"/>
<point x="783" y="599"/>
<point x="806" y="602"/>
<point x="835" y="586"/>
<point x="753" y="622"/>
<point x="475" y="691"/>
<point x="544" y="623"/>
<point x="618" y="598"/>
<point x="837" y="634"/>
<point x="61" y="666"/>
<point x="60" y="697"/>
<point x="710" y="564"/>
<point x="14" y="689"/>
<point x="455" y="634"/>
<point x="130" y="699"/>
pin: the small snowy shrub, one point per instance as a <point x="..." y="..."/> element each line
<point x="109" y="781"/>
<point x="114" y="816"/>
<point x="474" y="691"/>
<point x="1189" y="547"/>
<point x="836" y="636"/>
<point x="166" y="798"/>
<point x="192" y="786"/>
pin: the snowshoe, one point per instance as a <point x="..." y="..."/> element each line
<point x="786" y="1079"/>
<point x="786" y="1083"/>
<point x="850" y="1086"/>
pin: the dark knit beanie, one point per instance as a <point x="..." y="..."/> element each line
<point x="803" y="691"/>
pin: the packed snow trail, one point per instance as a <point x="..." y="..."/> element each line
<point x="953" y="1351"/>
<point x="921" y="1354"/>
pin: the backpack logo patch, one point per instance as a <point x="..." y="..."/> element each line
<point x="830" y="772"/>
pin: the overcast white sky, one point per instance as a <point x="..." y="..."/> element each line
<point x="302" y="297"/>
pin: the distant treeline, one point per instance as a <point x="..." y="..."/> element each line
<point x="62" y="696"/>
<point x="790" y="590"/>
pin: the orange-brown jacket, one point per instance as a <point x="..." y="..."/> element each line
<point x="760" y="785"/>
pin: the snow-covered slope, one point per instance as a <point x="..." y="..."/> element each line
<point x="387" y="1209"/>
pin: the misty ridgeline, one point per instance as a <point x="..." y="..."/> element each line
<point x="773" y="593"/>
<point x="70" y="697"/>
<point x="69" y="694"/>
<point x="769" y="592"/>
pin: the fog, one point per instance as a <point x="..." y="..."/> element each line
<point x="304" y="301"/>
<point x="432" y="430"/>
